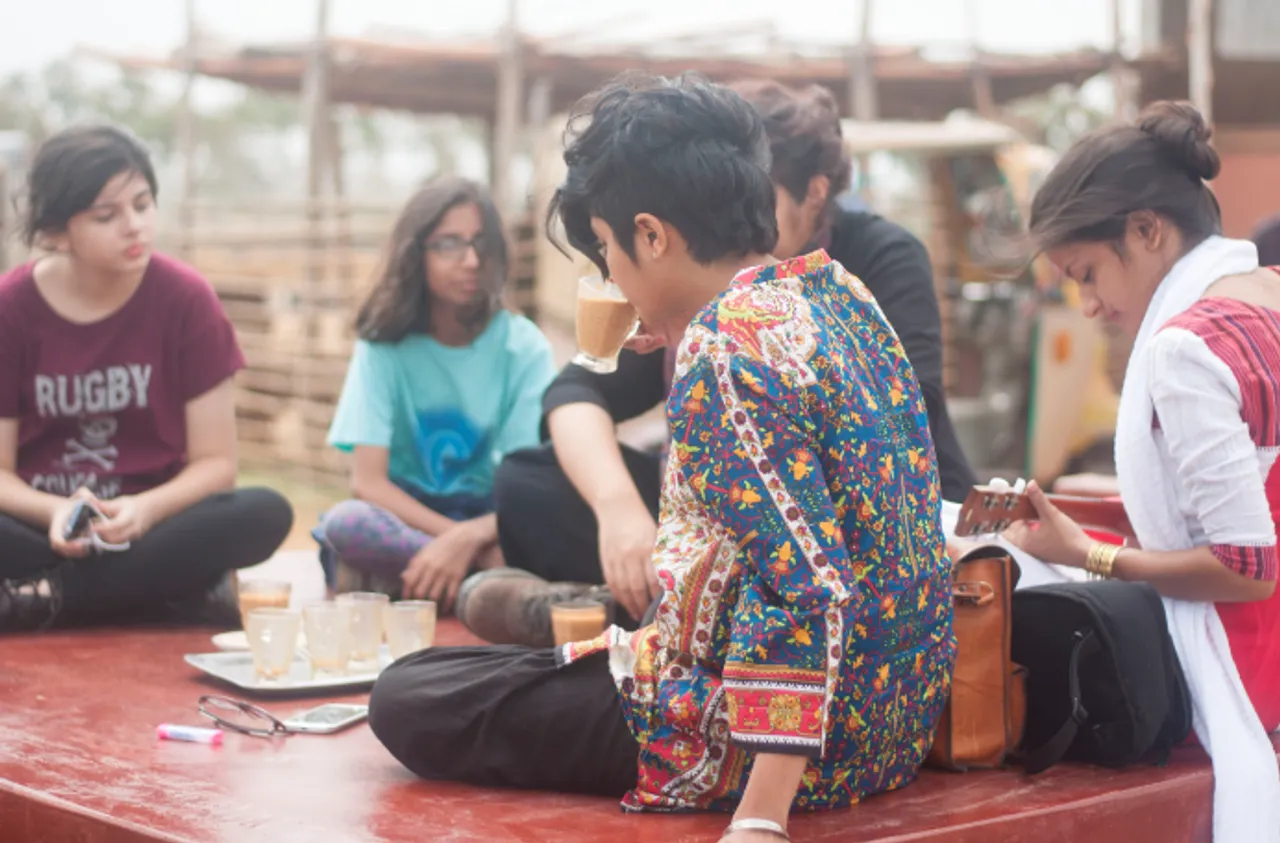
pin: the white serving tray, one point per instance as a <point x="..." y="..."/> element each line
<point x="236" y="668"/>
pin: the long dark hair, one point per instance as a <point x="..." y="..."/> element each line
<point x="1159" y="164"/>
<point x="71" y="168"/>
<point x="399" y="303"/>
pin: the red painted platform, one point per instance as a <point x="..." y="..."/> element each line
<point x="79" y="761"/>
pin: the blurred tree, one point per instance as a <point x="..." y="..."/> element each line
<point x="17" y="94"/>
<point x="243" y="139"/>
<point x="1060" y="115"/>
<point x="61" y="94"/>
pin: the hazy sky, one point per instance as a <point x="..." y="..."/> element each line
<point x="35" y="32"/>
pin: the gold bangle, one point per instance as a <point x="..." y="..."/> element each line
<point x="1091" y="561"/>
<point x="1102" y="559"/>
<point x="1109" y="559"/>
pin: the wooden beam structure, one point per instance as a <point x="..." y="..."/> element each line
<point x="984" y="100"/>
<point x="188" y="132"/>
<point x="863" y="96"/>
<point x="315" y="104"/>
<point x="342" y="215"/>
<point x="462" y="78"/>
<point x="1123" y="84"/>
<point x="320" y="132"/>
<point x="864" y="102"/>
<point x="1200" y="56"/>
<point x="507" y="116"/>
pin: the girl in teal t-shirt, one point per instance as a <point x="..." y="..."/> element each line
<point x="443" y="383"/>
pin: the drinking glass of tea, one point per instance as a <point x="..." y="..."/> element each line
<point x="578" y="620"/>
<point x="411" y="626"/>
<point x="273" y="640"/>
<point x="328" y="630"/>
<point x="261" y="594"/>
<point x="605" y="321"/>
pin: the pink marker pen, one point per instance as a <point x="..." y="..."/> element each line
<point x="193" y="734"/>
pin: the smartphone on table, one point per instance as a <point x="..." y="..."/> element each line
<point x="327" y="719"/>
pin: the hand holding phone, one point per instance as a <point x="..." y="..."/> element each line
<point x="79" y="526"/>
<point x="82" y="516"/>
<point x="65" y="536"/>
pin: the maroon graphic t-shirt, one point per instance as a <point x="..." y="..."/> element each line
<point x="103" y="405"/>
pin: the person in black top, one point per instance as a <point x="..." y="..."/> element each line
<point x="583" y="507"/>
<point x="810" y="165"/>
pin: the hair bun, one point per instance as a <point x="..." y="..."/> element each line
<point x="823" y="98"/>
<point x="1180" y="129"/>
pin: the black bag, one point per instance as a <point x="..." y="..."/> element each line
<point x="1104" y="683"/>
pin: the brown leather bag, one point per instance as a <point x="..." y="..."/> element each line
<point x="984" y="718"/>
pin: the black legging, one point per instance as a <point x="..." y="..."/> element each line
<point x="181" y="556"/>
<point x="544" y="525"/>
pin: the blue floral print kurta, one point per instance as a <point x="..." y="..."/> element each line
<point x="807" y="602"/>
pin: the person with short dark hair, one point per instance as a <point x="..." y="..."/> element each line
<point x="1129" y="215"/>
<point x="801" y="482"/>
<point x="116" y="395"/>
<point x="584" y="507"/>
<point x="444" y="381"/>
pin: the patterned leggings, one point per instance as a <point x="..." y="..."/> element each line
<point x="369" y="538"/>
<point x="373" y="541"/>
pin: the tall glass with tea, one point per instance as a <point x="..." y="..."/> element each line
<point x="605" y="321"/>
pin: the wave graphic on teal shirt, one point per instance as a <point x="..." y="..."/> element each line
<point x="448" y="443"/>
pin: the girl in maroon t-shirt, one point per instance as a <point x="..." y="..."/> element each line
<point x="115" y="387"/>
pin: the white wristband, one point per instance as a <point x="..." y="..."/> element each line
<point x="758" y="825"/>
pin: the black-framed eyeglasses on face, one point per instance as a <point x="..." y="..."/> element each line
<point x="454" y="246"/>
<point x="242" y="717"/>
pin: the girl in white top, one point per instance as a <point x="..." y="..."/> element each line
<point x="1128" y="214"/>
